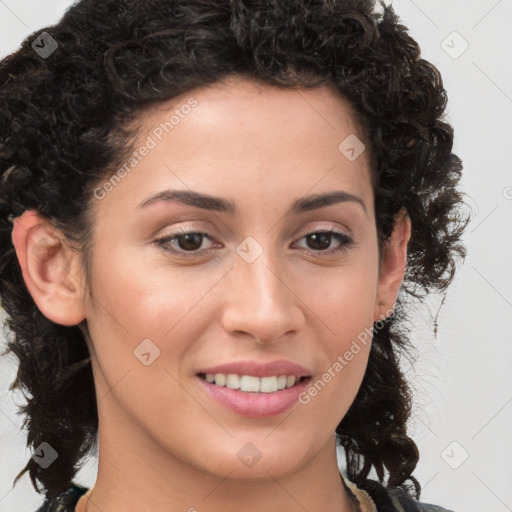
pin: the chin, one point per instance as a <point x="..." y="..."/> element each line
<point x="249" y="462"/>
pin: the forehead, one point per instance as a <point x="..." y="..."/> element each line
<point x="238" y="101"/>
<point x="251" y="137"/>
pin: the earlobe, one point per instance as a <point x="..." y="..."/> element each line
<point x="50" y="268"/>
<point x="393" y="266"/>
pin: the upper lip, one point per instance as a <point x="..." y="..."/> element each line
<point x="279" y="367"/>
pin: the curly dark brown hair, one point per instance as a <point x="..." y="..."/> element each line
<point x="63" y="128"/>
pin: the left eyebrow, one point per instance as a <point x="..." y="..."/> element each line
<point x="219" y="204"/>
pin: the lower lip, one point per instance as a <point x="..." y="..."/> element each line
<point x="256" y="405"/>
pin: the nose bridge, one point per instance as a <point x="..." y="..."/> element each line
<point x="262" y="279"/>
<point x="262" y="305"/>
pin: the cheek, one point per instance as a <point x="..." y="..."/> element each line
<point x="140" y="315"/>
<point x="342" y="299"/>
<point x="344" y="306"/>
<point x="142" y="328"/>
<point x="332" y="391"/>
<point x="138" y="297"/>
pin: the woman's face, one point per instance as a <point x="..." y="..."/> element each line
<point x="257" y="291"/>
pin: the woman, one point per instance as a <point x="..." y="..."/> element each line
<point x="221" y="374"/>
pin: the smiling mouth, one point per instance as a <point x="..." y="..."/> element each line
<point x="252" y="384"/>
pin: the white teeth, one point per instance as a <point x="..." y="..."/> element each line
<point x="233" y="381"/>
<point x="268" y="384"/>
<point x="220" y="379"/>
<point x="251" y="384"/>
<point x="281" y="382"/>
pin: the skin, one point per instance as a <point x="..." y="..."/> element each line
<point x="164" y="443"/>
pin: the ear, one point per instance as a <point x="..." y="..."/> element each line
<point x="393" y="266"/>
<point x="51" y="270"/>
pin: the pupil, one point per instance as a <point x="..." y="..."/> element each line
<point x="320" y="236"/>
<point x="187" y="238"/>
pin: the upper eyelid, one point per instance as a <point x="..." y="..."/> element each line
<point x="194" y="230"/>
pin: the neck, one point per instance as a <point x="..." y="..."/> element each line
<point x="136" y="474"/>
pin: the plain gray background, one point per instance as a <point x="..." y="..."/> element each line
<point x="462" y="378"/>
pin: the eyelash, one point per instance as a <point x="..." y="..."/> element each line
<point x="345" y="242"/>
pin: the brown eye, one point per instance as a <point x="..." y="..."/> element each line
<point x="320" y="241"/>
<point x="188" y="244"/>
<point x="184" y="243"/>
<point x="190" y="241"/>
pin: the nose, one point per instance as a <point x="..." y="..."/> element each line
<point x="261" y="304"/>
